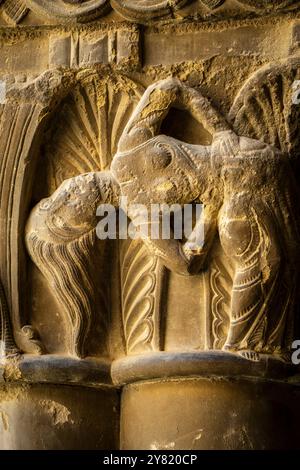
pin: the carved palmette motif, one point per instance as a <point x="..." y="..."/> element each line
<point x="85" y="135"/>
<point x="265" y="107"/>
<point x="142" y="283"/>
<point x="220" y="285"/>
<point x="212" y="3"/>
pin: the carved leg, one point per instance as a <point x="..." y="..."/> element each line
<point x="257" y="257"/>
<point x="246" y="304"/>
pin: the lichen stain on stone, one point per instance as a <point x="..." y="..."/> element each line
<point x="59" y="413"/>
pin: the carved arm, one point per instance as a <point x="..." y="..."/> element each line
<point x="154" y="106"/>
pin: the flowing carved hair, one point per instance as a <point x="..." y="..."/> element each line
<point x="66" y="266"/>
<point x="61" y="240"/>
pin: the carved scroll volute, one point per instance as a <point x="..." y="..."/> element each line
<point x="143" y="280"/>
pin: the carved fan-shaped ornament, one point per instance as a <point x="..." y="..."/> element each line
<point x="266" y="108"/>
<point x="85" y="134"/>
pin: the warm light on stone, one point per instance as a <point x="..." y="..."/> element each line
<point x="162" y="342"/>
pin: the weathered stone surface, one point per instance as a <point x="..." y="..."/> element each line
<point x="203" y="414"/>
<point x="141" y="11"/>
<point x="39" y="417"/>
<point x="174" y="103"/>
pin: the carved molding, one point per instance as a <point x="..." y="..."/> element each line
<point x="86" y="10"/>
<point x="164" y="365"/>
<point x="144" y="10"/>
<point x="140" y="11"/>
<point x="265" y="5"/>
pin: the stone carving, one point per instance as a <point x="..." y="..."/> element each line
<point x="220" y="285"/>
<point x="82" y="11"/>
<point x="142" y="278"/>
<point x="269" y="4"/>
<point x="114" y="46"/>
<point x="146" y="9"/>
<point x="92" y="117"/>
<point x="61" y="240"/>
<point x="264" y="107"/>
<point x="140" y="11"/>
<point x="20" y="116"/>
<point x="15" y="10"/>
<point x="213" y="3"/>
<point x="246" y="186"/>
<point x="176" y="325"/>
<point x="26" y="107"/>
<point x="7" y="345"/>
